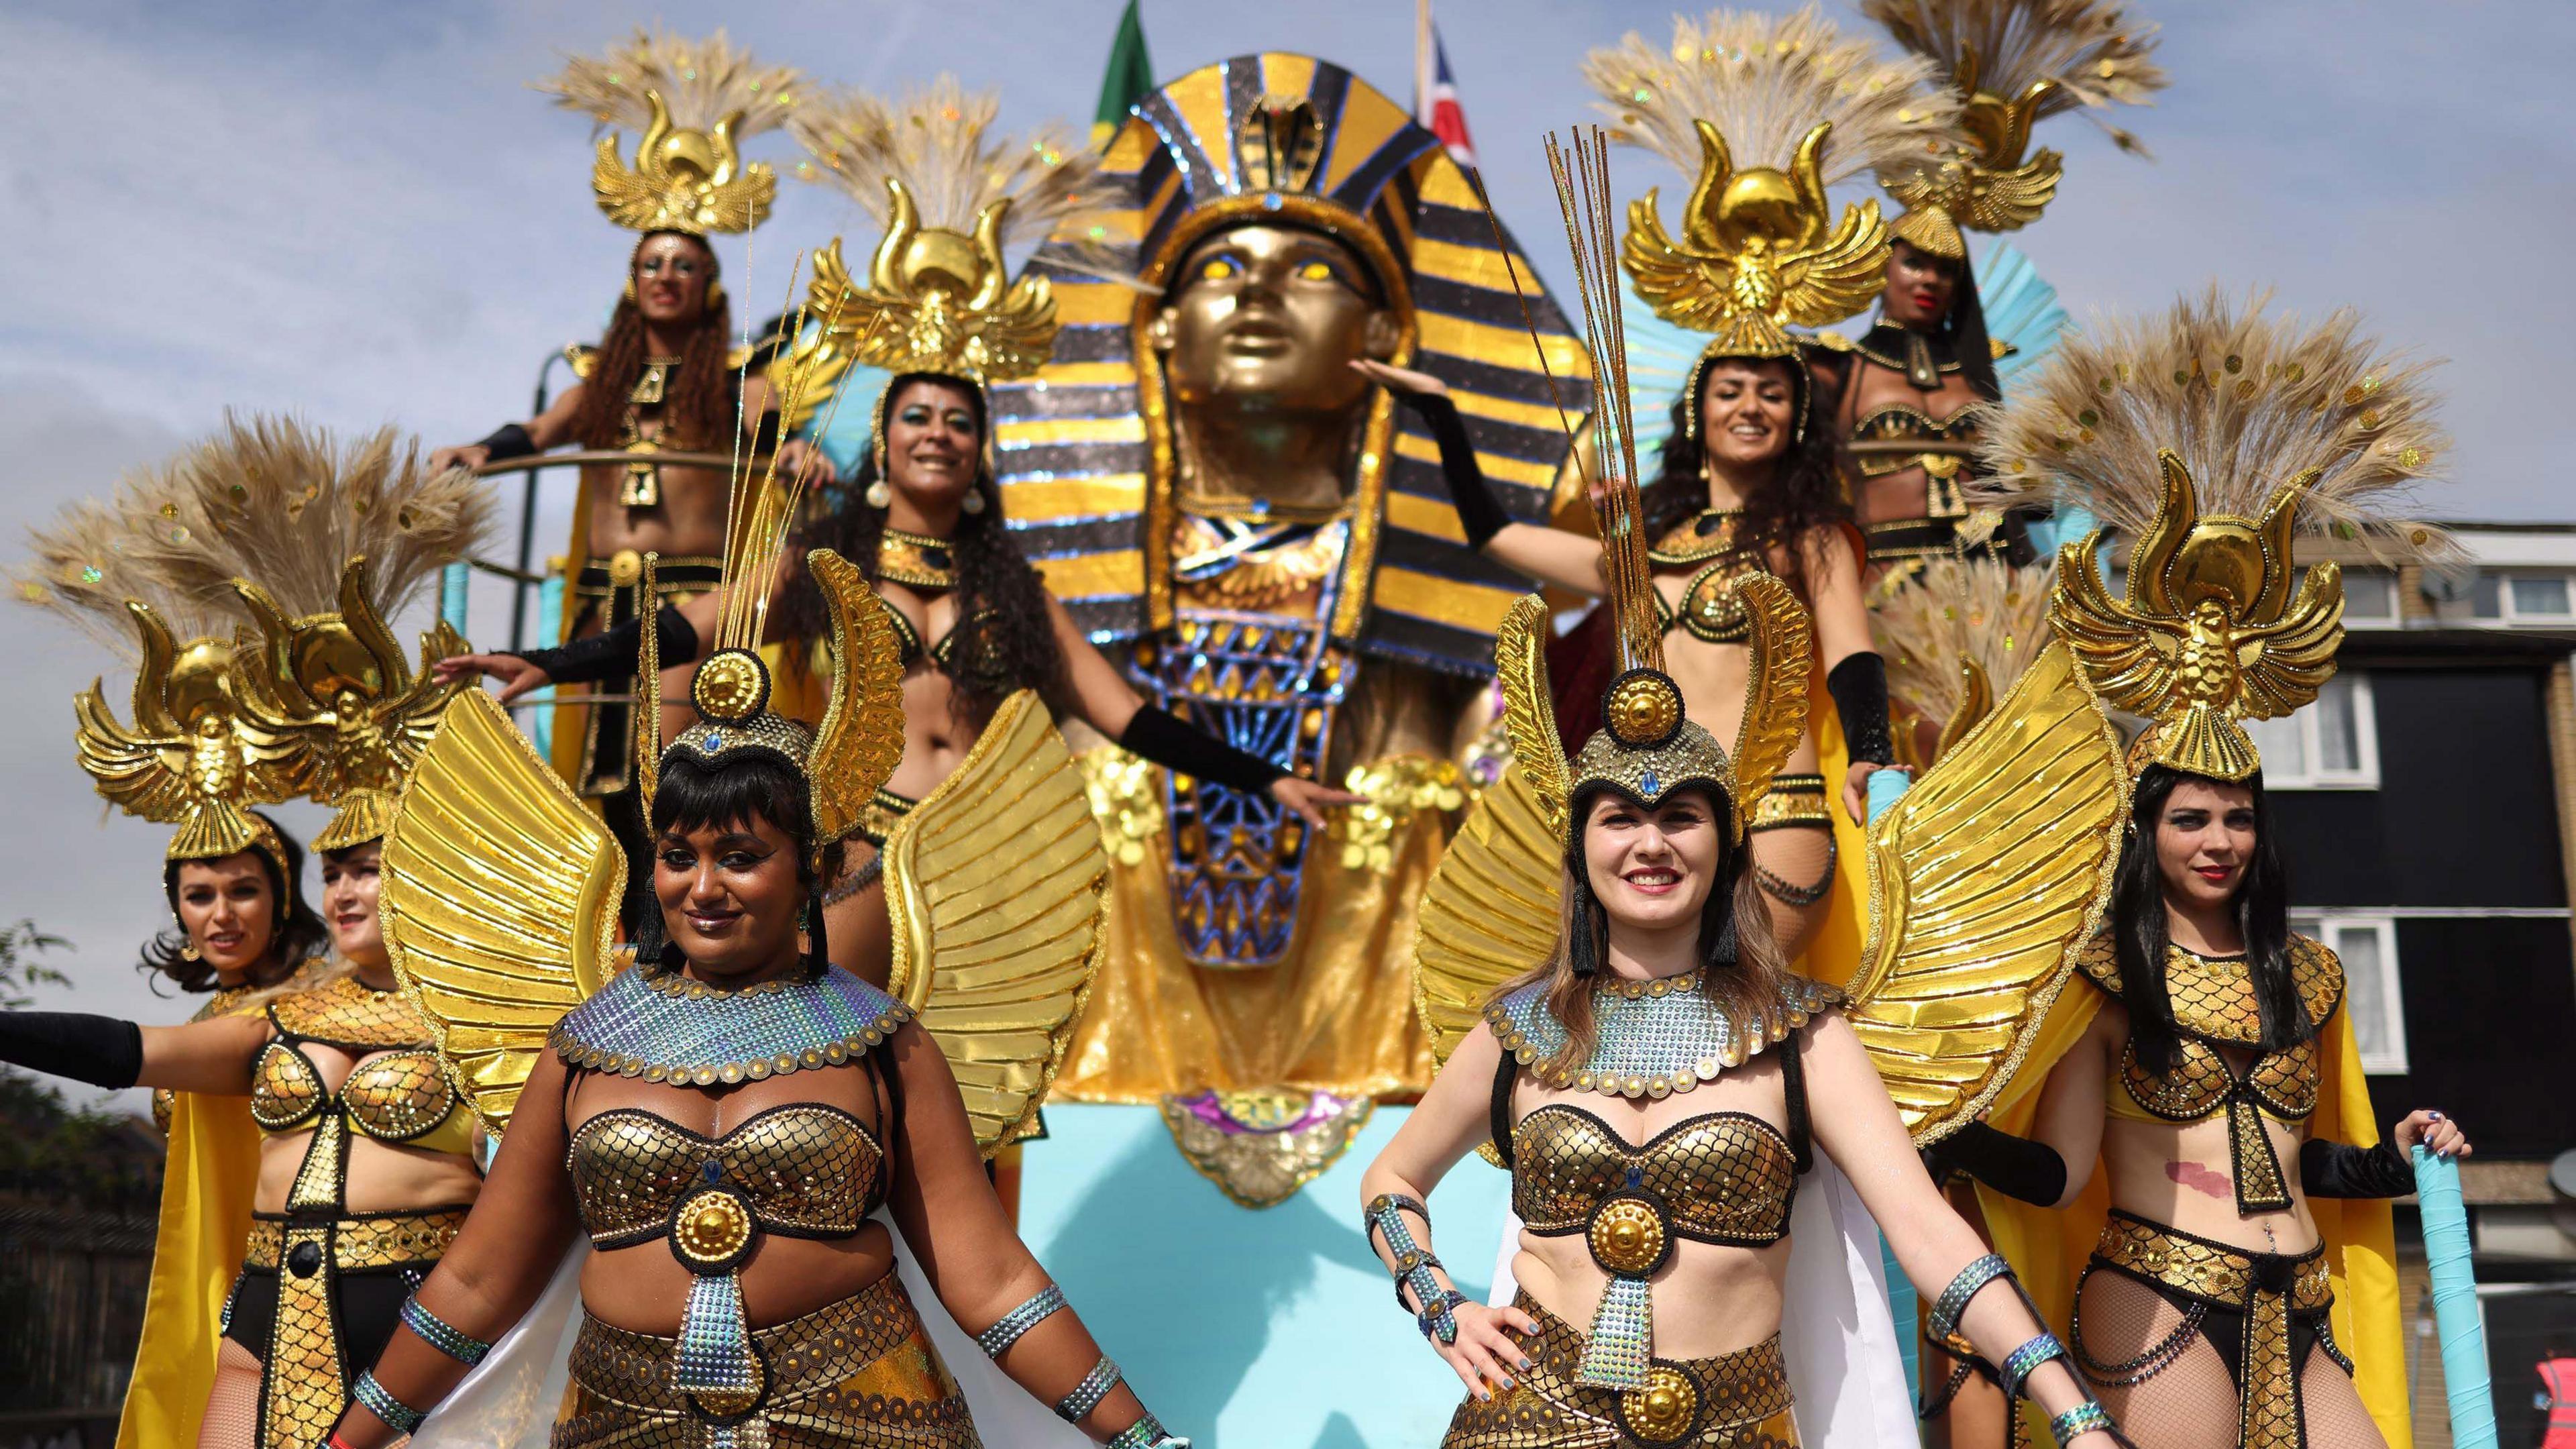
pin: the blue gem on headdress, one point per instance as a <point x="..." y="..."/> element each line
<point x="1652" y="786"/>
<point x="1270" y="201"/>
<point x="714" y="741"/>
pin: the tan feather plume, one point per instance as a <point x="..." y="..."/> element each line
<point x="1765" y="81"/>
<point x="700" y="82"/>
<point x="2098" y="56"/>
<point x="939" y="142"/>
<point x="2248" y="399"/>
<point x="268" y="499"/>
<point x="1979" y="609"/>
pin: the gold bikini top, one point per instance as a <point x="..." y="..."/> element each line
<point x="1893" y="437"/>
<point x="1709" y="609"/>
<point x="399" y="1093"/>
<point x="908" y="640"/>
<point x="2213" y="1004"/>
<point x="802" y="1171"/>
<point x="1727" y="1177"/>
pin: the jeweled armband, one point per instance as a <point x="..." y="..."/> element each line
<point x="439" y="1334"/>
<point x="1954" y="1299"/>
<point x="2018" y="1364"/>
<point x="2082" y="1419"/>
<point x="1007" y="1329"/>
<point x="1413" y="1263"/>
<point x="400" y="1417"/>
<point x="1086" y="1396"/>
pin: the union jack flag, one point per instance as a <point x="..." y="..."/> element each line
<point x="1435" y="93"/>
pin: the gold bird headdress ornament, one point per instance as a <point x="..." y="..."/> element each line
<point x="1646" y="747"/>
<point x="2213" y="437"/>
<point x="320" y="703"/>
<point x="1766" y="113"/>
<point x="2009" y="64"/>
<point x="860" y="739"/>
<point x="952" y="197"/>
<point x="695" y="102"/>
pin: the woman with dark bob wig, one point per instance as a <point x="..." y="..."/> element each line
<point x="2241" y="1291"/>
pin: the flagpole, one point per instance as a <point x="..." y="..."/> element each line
<point x="1423" y="78"/>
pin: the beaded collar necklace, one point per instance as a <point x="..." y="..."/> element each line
<point x="662" y="1027"/>
<point x="916" y="560"/>
<point x="1652" y="1038"/>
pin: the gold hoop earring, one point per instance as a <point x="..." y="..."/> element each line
<point x="878" y="494"/>
<point x="188" y="952"/>
<point x="715" y="298"/>
<point x="974" y="501"/>
<point x="630" y="287"/>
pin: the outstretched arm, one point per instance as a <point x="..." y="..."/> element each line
<point x="1549" y="555"/>
<point x="1858" y="1127"/>
<point x="1452" y="1118"/>
<point x="549" y="429"/>
<point x="1107" y="703"/>
<point x="213" y="1057"/>
<point x="985" y="1277"/>
<point x="521" y="1223"/>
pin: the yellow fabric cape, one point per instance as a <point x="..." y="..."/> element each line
<point x="1833" y="957"/>
<point x="206" y="1192"/>
<point x="2048" y="1248"/>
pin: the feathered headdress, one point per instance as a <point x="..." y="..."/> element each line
<point x="695" y="101"/>
<point x="2011" y="63"/>
<point x="2213" y="437"/>
<point x="952" y="197"/>
<point x="1767" y="112"/>
<point x="1958" y="633"/>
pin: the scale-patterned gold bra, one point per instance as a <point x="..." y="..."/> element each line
<point x="2213" y="1004"/>
<point x="803" y="1170"/>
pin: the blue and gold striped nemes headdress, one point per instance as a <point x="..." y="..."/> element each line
<point x="1086" y="447"/>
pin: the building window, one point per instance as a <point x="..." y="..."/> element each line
<point x="2368" y="948"/>
<point x="2332" y="744"/>
<point x="2370" y="599"/>
<point x="2536" y="598"/>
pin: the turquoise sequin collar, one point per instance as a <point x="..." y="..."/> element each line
<point x="1652" y="1038"/>
<point x="663" y="1028"/>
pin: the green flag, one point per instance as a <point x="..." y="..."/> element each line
<point x="1129" y="77"/>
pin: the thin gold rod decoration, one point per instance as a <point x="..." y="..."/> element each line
<point x="1581" y="169"/>
<point x="1512" y="273"/>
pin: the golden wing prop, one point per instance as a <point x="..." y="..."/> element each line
<point x="1985" y="881"/>
<point x="1491" y="910"/>
<point x="1783" y="642"/>
<point x="1529" y="709"/>
<point x="499" y="900"/>
<point x="996" y="888"/>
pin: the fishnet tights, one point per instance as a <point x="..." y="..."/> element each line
<point x="232" y="1410"/>
<point x="2191" y="1402"/>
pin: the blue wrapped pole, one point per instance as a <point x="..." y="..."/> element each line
<point x="540" y="725"/>
<point x="2455" y="1300"/>
<point x="1886" y="787"/>
<point x="451" y="594"/>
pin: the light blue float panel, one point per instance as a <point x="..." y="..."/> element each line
<point x="1274" y="1329"/>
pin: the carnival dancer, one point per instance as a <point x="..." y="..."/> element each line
<point x="363" y="1163"/>
<point x="2241" y="1292"/>
<point x="665" y="377"/>
<point x="1664" y="989"/>
<point x="935" y="318"/>
<point x="721" y="1118"/>
<point x="1747" y="480"/>
<point x="1904" y="397"/>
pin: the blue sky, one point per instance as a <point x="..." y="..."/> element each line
<point x="360" y="213"/>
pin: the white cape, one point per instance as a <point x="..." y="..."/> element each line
<point x="511" y="1399"/>
<point x="1835" y="1330"/>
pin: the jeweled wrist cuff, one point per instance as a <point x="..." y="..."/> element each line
<point x="2082" y="1419"/>
<point x="400" y="1417"/>
<point x="439" y="1334"/>
<point x="1007" y="1330"/>
<point x="1086" y="1396"/>
<point x="1147" y="1433"/>
<point x="1413" y="1262"/>
<point x="1954" y="1299"/>
<point x="2019" y="1363"/>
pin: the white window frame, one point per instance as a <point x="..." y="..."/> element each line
<point x="2506" y="613"/>
<point x="2365" y="728"/>
<point x="2395" y="618"/>
<point x="2327" y="926"/>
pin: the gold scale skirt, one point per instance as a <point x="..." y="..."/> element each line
<point x="860" y="1372"/>
<point x="1736" y="1400"/>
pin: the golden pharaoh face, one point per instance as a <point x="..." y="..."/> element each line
<point x="1272" y="317"/>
